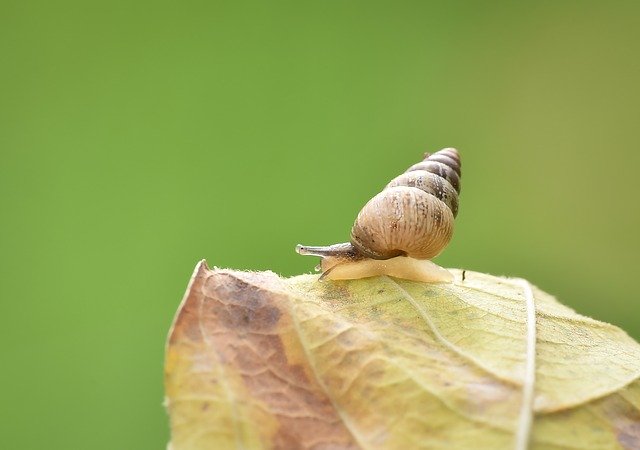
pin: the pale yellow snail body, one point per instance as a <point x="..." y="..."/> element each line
<point x="400" y="229"/>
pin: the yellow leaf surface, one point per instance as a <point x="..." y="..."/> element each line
<point x="255" y="361"/>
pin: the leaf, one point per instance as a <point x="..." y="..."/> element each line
<point x="255" y="361"/>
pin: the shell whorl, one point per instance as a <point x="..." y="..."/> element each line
<point x="414" y="213"/>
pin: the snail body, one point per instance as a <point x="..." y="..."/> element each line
<point x="401" y="228"/>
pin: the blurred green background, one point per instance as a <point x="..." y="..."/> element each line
<point x="139" y="137"/>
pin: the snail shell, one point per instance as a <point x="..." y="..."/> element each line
<point x="411" y="218"/>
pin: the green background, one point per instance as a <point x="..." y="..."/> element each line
<point x="139" y="137"/>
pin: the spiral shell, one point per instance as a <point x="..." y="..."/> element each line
<point x="413" y="215"/>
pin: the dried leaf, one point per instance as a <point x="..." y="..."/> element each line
<point x="255" y="361"/>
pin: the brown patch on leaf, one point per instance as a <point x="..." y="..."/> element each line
<point x="625" y="420"/>
<point x="629" y="436"/>
<point x="242" y="324"/>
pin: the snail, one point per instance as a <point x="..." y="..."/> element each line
<point x="401" y="228"/>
